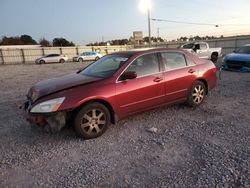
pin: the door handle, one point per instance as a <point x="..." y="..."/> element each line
<point x="158" y="79"/>
<point x="191" y="71"/>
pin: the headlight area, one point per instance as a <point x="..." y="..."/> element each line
<point x="48" y="106"/>
<point x="45" y="114"/>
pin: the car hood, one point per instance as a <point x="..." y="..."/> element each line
<point x="53" y="85"/>
<point x="237" y="57"/>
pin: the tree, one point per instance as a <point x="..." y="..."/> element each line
<point x="124" y="42"/>
<point x="197" y="38"/>
<point x="10" y="41"/>
<point x="44" y="42"/>
<point x="27" y="40"/>
<point x="153" y="39"/>
<point x="62" y="42"/>
<point x="23" y="40"/>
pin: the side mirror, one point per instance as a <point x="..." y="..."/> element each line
<point x="128" y="75"/>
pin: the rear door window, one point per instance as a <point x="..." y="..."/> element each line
<point x="190" y="62"/>
<point x="173" y="60"/>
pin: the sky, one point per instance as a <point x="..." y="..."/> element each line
<point x="87" y="21"/>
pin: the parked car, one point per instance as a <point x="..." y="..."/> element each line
<point x="87" y="56"/>
<point x="52" y="58"/>
<point x="203" y="51"/>
<point x="117" y="86"/>
<point x="239" y="60"/>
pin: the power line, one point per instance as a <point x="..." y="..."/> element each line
<point x="181" y="22"/>
<point x="195" y="23"/>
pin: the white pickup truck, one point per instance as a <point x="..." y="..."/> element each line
<point x="203" y="51"/>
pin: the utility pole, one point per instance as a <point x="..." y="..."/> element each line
<point x="149" y="27"/>
<point x="158" y="32"/>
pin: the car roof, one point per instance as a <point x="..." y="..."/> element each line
<point x="247" y="45"/>
<point x="146" y="50"/>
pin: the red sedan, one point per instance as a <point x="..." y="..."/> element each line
<point x="119" y="85"/>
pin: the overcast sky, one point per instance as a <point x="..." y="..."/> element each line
<point x="84" y="21"/>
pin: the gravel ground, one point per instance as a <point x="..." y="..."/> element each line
<point x="208" y="146"/>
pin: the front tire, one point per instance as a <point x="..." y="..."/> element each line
<point x="41" y="62"/>
<point x="80" y="60"/>
<point x="97" y="58"/>
<point x="197" y="94"/>
<point x="92" y="120"/>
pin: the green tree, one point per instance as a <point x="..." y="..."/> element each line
<point x="62" y="42"/>
<point x="23" y="40"/>
<point x="26" y="40"/>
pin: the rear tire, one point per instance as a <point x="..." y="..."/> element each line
<point x="62" y="61"/>
<point x="197" y="94"/>
<point x="92" y="120"/>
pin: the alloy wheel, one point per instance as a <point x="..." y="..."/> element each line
<point x="198" y="94"/>
<point x="93" y="122"/>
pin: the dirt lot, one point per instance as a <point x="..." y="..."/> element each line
<point x="204" y="147"/>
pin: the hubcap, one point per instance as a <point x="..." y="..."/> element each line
<point x="198" y="94"/>
<point x="93" y="121"/>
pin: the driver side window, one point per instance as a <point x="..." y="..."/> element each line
<point x="145" y="65"/>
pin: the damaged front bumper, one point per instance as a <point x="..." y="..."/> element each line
<point x="52" y="122"/>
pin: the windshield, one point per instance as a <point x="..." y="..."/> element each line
<point x="188" y="46"/>
<point x="243" y="50"/>
<point x="106" y="66"/>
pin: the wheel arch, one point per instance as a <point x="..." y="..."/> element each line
<point x="103" y="102"/>
<point x="62" y="59"/>
<point x="215" y="53"/>
<point x="205" y="83"/>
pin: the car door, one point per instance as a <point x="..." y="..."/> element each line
<point x="87" y="56"/>
<point x="47" y="58"/>
<point x="56" y="58"/>
<point x="53" y="58"/>
<point x="203" y="52"/>
<point x="93" y="55"/>
<point x="179" y="75"/>
<point x="143" y="92"/>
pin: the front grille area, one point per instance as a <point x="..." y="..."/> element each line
<point x="237" y="64"/>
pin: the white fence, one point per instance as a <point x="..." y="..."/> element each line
<point x="29" y="55"/>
